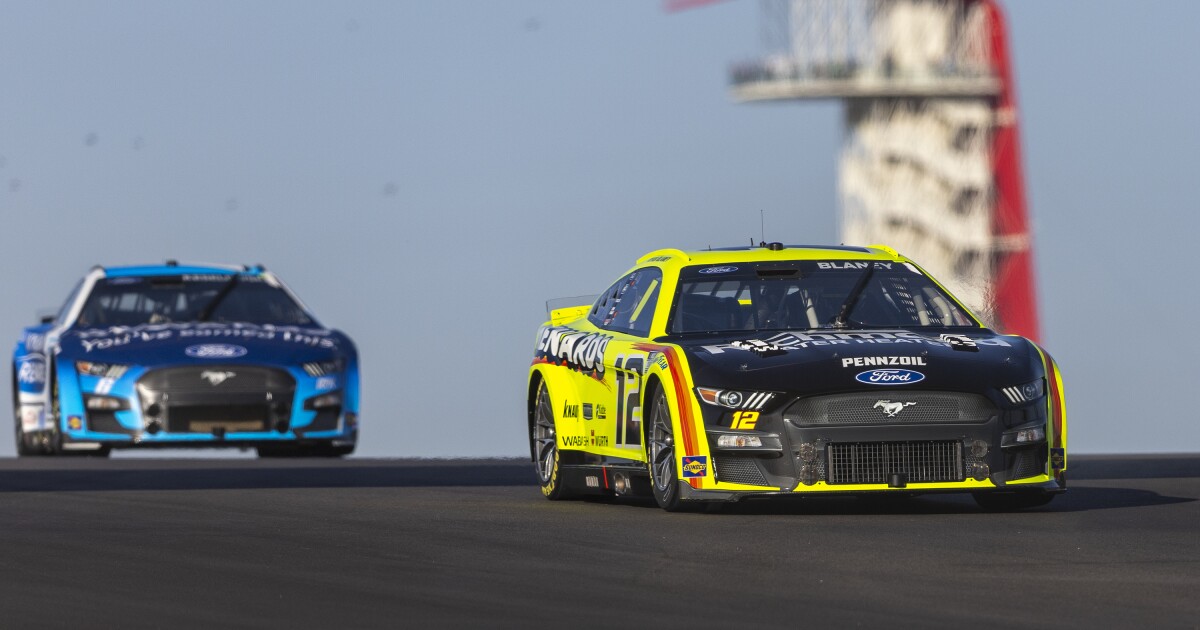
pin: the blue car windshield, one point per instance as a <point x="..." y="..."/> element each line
<point x="809" y="295"/>
<point x="131" y="301"/>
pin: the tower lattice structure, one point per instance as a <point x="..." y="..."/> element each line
<point x="930" y="162"/>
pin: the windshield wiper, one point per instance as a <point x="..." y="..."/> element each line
<point x="852" y="297"/>
<point x="212" y="305"/>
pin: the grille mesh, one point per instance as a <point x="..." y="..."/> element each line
<point x="873" y="462"/>
<point x="104" y="422"/>
<point x="1028" y="463"/>
<point x="736" y="469"/>
<point x="873" y="408"/>
<point x="203" y="419"/>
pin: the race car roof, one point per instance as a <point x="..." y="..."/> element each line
<point x="772" y="251"/>
<point x="175" y="269"/>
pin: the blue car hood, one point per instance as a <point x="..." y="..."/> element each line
<point x="171" y="344"/>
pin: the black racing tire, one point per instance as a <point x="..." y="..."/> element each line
<point x="543" y="443"/>
<point x="304" y="450"/>
<point x="52" y="438"/>
<point x="22" y="440"/>
<point x="660" y="455"/>
<point x="1012" y="501"/>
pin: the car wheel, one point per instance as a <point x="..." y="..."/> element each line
<point x="20" y="438"/>
<point x="664" y="481"/>
<point x="51" y="438"/>
<point x="545" y="447"/>
<point x="1010" y="501"/>
<point x="304" y="450"/>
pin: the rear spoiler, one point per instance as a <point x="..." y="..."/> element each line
<point x="569" y="309"/>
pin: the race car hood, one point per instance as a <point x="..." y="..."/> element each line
<point x="168" y="344"/>
<point x="839" y="361"/>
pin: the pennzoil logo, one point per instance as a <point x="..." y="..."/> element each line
<point x="74" y="423"/>
<point x="695" y="466"/>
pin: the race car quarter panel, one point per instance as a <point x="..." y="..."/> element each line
<point x="175" y="355"/>
<point x="785" y="370"/>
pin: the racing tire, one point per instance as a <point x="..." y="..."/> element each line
<point x="304" y="450"/>
<point x="544" y="446"/>
<point x="22" y="440"/>
<point x="1011" y="501"/>
<point x="660" y="455"/>
<point x="52" y="437"/>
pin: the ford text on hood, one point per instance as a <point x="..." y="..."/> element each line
<point x="779" y="370"/>
<point x="172" y="355"/>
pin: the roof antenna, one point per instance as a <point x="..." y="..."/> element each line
<point x="762" y="224"/>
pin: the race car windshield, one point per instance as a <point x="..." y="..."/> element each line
<point x="126" y="301"/>
<point x="811" y="295"/>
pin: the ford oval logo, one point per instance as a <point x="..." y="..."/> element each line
<point x="215" y="351"/>
<point x="889" y="377"/>
<point x="718" y="269"/>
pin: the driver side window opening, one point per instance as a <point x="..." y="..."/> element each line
<point x="628" y="305"/>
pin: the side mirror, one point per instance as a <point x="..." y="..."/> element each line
<point x="47" y="315"/>
<point x="46" y="319"/>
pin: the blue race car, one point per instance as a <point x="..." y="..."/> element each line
<point x="185" y="356"/>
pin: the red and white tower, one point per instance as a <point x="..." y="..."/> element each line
<point x="931" y="161"/>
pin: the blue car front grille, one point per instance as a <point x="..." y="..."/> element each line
<point x="217" y="398"/>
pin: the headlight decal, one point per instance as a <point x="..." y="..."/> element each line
<point x="732" y="399"/>
<point x="323" y="368"/>
<point x="106" y="370"/>
<point x="1025" y="392"/>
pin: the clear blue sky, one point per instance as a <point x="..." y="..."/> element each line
<point x="427" y="174"/>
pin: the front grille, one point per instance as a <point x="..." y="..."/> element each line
<point x="104" y="422"/>
<point x="217" y="398"/>
<point x="891" y="408"/>
<point x="874" y="462"/>
<point x="734" y="469"/>
<point x="207" y="418"/>
<point x="325" y="420"/>
<point x="1028" y="463"/>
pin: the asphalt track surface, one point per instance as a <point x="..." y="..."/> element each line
<point x="145" y="543"/>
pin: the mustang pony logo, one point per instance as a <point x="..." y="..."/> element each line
<point x="892" y="409"/>
<point x="216" y="378"/>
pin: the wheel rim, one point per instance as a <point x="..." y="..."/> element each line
<point x="18" y="430"/>
<point x="662" y="446"/>
<point x="543" y="436"/>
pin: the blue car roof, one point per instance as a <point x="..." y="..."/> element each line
<point x="176" y="270"/>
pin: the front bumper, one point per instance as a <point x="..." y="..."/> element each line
<point x="844" y="448"/>
<point x="247" y="406"/>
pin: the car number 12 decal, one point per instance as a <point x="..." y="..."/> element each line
<point x="629" y="410"/>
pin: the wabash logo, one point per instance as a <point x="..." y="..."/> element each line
<point x="695" y="466"/>
<point x="573" y="440"/>
<point x="570" y="411"/>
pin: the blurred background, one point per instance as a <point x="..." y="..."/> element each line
<point x="426" y="175"/>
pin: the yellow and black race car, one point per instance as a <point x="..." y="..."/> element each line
<point x="780" y="370"/>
